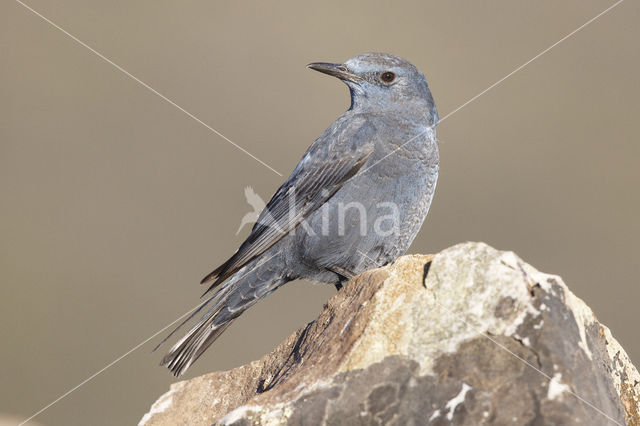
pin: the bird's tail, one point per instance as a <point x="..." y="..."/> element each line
<point x="251" y="283"/>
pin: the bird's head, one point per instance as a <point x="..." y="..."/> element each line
<point x="383" y="82"/>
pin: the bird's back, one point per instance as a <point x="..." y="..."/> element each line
<point x="376" y="215"/>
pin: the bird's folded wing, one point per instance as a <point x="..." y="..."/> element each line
<point x="310" y="185"/>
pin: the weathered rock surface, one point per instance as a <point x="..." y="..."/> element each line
<point x="474" y="337"/>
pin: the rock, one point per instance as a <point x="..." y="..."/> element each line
<point x="475" y="336"/>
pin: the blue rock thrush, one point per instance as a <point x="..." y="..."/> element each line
<point x="355" y="201"/>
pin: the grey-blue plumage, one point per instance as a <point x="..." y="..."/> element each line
<point x="355" y="201"/>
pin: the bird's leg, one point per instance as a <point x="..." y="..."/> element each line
<point x="344" y="274"/>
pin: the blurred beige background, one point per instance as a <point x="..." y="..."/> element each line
<point x="115" y="203"/>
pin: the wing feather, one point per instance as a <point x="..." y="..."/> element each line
<point x="302" y="194"/>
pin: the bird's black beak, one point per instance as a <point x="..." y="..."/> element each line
<point x="336" y="70"/>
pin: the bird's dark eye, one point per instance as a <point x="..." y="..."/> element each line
<point x="387" y="76"/>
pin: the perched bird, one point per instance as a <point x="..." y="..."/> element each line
<point x="355" y="201"/>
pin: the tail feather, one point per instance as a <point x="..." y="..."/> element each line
<point x="239" y="293"/>
<point x="189" y="318"/>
